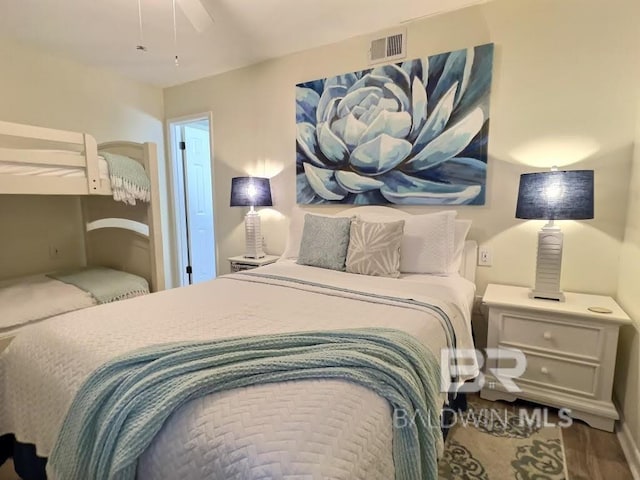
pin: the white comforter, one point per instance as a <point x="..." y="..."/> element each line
<point x="35" y="297"/>
<point x="305" y="429"/>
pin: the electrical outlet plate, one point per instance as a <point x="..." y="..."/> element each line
<point x="485" y="258"/>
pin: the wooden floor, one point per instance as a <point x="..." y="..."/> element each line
<point x="593" y="454"/>
<point x="7" y="473"/>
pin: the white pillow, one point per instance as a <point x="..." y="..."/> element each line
<point x="428" y="244"/>
<point x="461" y="230"/>
<point x="413" y="252"/>
<point x="424" y="250"/>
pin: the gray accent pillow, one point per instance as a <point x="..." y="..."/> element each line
<point x="324" y="242"/>
<point x="374" y="248"/>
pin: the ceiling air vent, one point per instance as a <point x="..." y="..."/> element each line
<point x="388" y="48"/>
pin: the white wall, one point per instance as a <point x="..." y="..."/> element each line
<point x="628" y="368"/>
<point x="565" y="92"/>
<point x="41" y="89"/>
<point x="560" y="96"/>
<point x="30" y="225"/>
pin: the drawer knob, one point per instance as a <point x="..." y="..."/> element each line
<point x="544" y="371"/>
<point x="546" y="335"/>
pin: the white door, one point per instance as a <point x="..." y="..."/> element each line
<point x="199" y="203"/>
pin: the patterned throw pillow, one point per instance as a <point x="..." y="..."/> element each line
<point x="324" y="242"/>
<point x="374" y="248"/>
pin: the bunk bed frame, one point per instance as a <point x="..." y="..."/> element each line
<point x="120" y="236"/>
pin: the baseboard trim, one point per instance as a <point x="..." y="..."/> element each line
<point x="629" y="447"/>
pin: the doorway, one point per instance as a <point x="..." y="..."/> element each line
<point x="192" y="187"/>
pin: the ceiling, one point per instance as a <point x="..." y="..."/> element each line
<point x="105" y="33"/>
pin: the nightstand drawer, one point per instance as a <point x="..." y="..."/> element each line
<point x="560" y="374"/>
<point x="583" y="340"/>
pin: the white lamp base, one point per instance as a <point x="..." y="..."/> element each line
<point x="253" y="235"/>
<point x="549" y="264"/>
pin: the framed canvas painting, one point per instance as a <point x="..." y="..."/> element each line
<point x="410" y="133"/>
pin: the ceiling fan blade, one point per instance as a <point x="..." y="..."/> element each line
<point x="196" y="13"/>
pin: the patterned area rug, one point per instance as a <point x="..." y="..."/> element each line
<point x="491" y="442"/>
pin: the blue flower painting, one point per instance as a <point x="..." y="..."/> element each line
<point x="410" y="133"/>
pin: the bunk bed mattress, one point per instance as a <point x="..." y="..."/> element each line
<point x="36" y="297"/>
<point x="303" y="429"/>
<point x="28" y="169"/>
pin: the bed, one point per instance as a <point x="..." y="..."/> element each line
<point x="37" y="297"/>
<point x="43" y="161"/>
<point x="315" y="428"/>
<point x="70" y="166"/>
<point x="60" y="169"/>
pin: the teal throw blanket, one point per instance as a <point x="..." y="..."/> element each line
<point x="123" y="404"/>
<point x="129" y="181"/>
<point x="105" y="284"/>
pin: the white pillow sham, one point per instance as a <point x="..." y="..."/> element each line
<point x="428" y="243"/>
<point x="423" y="249"/>
<point x="461" y="231"/>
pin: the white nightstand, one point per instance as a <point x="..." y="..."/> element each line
<point x="570" y="351"/>
<point x="240" y="262"/>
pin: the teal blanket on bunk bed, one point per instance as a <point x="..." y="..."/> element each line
<point x="123" y="404"/>
<point x="104" y="284"/>
<point x="129" y="181"/>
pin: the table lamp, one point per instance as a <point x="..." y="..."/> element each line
<point x="251" y="192"/>
<point x="554" y="195"/>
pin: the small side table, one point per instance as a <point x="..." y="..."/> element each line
<point x="241" y="262"/>
<point x="570" y="348"/>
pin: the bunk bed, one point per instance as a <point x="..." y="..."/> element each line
<point x="44" y="161"/>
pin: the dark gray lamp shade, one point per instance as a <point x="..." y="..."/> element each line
<point x="250" y="191"/>
<point x="556" y="195"/>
